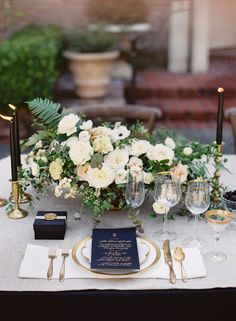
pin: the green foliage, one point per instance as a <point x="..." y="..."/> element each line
<point x="29" y="64"/>
<point x="91" y="41"/>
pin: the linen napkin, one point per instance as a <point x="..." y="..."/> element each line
<point x="35" y="265"/>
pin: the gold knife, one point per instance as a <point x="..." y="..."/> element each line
<point x="168" y="260"/>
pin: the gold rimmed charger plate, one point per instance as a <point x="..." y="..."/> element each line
<point x="77" y="247"/>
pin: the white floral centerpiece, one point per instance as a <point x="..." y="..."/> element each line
<point x="75" y="157"/>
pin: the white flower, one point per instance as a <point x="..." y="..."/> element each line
<point x="121" y="176"/>
<point x="65" y="183"/>
<point x="39" y="144"/>
<point x="102" y="144"/>
<point x="55" y="169"/>
<point x="100" y="178"/>
<point x="70" y="141"/>
<point x="84" y="136"/>
<point x="135" y="161"/>
<point x="180" y="172"/>
<point x="58" y="191"/>
<point x="100" y="131"/>
<point x="81" y="171"/>
<point x="80" y="152"/>
<point x="117" y="159"/>
<point x="35" y="169"/>
<point x="86" y="125"/>
<point x="187" y="151"/>
<point x="148" y="178"/>
<point x="120" y="133"/>
<point x="161" y="152"/>
<point x="140" y="147"/>
<point x="160" y="208"/>
<point x="170" y="142"/>
<point x="71" y="194"/>
<point x="67" y="124"/>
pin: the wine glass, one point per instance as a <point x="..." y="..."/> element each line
<point x="135" y="194"/>
<point x="197" y="201"/>
<point x="218" y="220"/>
<point x="167" y="191"/>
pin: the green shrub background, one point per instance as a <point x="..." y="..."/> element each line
<point x="29" y="64"/>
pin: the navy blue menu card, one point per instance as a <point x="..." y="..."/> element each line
<point x="114" y="248"/>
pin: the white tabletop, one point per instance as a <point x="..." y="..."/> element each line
<point x="16" y="234"/>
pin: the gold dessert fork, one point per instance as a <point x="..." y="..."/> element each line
<point x="65" y="253"/>
<point x="52" y="254"/>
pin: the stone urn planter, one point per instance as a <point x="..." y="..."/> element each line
<point x="91" y="72"/>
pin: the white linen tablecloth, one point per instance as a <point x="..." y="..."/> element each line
<point x="16" y="234"/>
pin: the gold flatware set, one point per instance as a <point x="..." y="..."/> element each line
<point x="52" y="254"/>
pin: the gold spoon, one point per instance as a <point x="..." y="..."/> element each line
<point x="179" y="256"/>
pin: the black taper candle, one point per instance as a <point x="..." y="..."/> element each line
<point x="16" y="134"/>
<point x="14" y="175"/>
<point x="220" y="116"/>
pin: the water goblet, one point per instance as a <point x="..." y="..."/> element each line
<point x="134" y="195"/>
<point x="167" y="191"/>
<point x="218" y="220"/>
<point x="197" y="201"/>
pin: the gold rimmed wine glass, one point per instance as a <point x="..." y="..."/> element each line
<point x="197" y="201"/>
<point x="218" y="220"/>
<point x="167" y="191"/>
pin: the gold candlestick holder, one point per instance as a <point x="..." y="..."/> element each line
<point x="3" y="202"/>
<point x="23" y="197"/>
<point x="216" y="193"/>
<point x="17" y="212"/>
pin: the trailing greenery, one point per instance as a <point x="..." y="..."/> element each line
<point x="29" y="63"/>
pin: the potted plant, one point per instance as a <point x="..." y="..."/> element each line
<point x="91" y="55"/>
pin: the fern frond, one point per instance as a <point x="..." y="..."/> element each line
<point x="46" y="111"/>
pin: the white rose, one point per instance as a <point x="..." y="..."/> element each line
<point x="80" y="152"/>
<point x="117" y="159"/>
<point x="121" y="176"/>
<point x="187" y="151"/>
<point x="135" y="161"/>
<point x="170" y="142"/>
<point x="81" y="171"/>
<point x="86" y="125"/>
<point x="55" y="169"/>
<point x="161" y="152"/>
<point x="35" y="169"/>
<point x="120" y="133"/>
<point x="100" y="178"/>
<point x="70" y="141"/>
<point x="140" y="147"/>
<point x="102" y="144"/>
<point x="160" y="208"/>
<point x="84" y="136"/>
<point x="180" y="172"/>
<point x="67" y="124"/>
<point x="100" y="131"/>
<point x="148" y="178"/>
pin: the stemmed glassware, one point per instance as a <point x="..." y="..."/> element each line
<point x="135" y="193"/>
<point x="167" y="191"/>
<point x="197" y="201"/>
<point x="218" y="220"/>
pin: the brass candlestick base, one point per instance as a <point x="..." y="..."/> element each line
<point x="23" y="198"/>
<point x="17" y="212"/>
<point x="3" y="202"/>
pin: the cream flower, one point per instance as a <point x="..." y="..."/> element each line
<point x="117" y="159"/>
<point x="120" y="133"/>
<point x="55" y="169"/>
<point x="70" y="141"/>
<point x="39" y="144"/>
<point x="100" y="178"/>
<point x="80" y="152"/>
<point x="140" y="147"/>
<point x="180" y="172"/>
<point x="187" y="151"/>
<point x="170" y="142"/>
<point x="121" y="176"/>
<point x="35" y="170"/>
<point x="81" y="171"/>
<point x="67" y="124"/>
<point x="102" y="144"/>
<point x="161" y="152"/>
<point x="135" y="161"/>
<point x="100" y="131"/>
<point x="160" y="208"/>
<point x="84" y="136"/>
<point x="148" y="178"/>
<point x="86" y="125"/>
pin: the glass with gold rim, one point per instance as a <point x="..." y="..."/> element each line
<point x="197" y="201"/>
<point x="218" y="220"/>
<point x="167" y="191"/>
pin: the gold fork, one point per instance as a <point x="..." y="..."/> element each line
<point x="65" y="253"/>
<point x="52" y="254"/>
